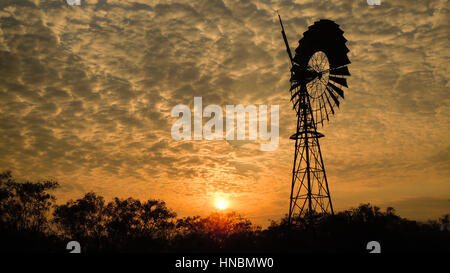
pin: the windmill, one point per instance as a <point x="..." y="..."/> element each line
<point x="318" y="74"/>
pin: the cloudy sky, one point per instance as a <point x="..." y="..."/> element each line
<point x="86" y="93"/>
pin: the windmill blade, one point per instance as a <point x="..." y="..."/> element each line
<point x="337" y="89"/>
<point x="339" y="59"/>
<point x="340" y="71"/>
<point x="295" y="94"/>
<point x="298" y="100"/>
<point x="325" y="107"/>
<point x="320" y="110"/>
<point x="295" y="85"/>
<point x="299" y="90"/>
<point x="333" y="96"/>
<point x="329" y="103"/>
<point x="295" y="104"/>
<point x="341" y="81"/>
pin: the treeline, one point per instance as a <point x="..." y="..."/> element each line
<point x="31" y="221"/>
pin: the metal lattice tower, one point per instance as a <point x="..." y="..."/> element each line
<point x="309" y="190"/>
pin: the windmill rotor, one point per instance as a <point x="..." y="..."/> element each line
<point x="320" y="66"/>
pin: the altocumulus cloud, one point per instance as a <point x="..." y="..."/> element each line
<point x="86" y="94"/>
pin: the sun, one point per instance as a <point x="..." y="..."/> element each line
<point x="221" y="204"/>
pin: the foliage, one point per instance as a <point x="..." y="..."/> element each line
<point x="121" y="222"/>
<point x="129" y="225"/>
<point x="24" y="206"/>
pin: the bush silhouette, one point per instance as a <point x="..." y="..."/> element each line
<point x="24" y="209"/>
<point x="130" y="225"/>
<point x="121" y="222"/>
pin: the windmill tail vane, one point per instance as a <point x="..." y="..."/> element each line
<point x="288" y="49"/>
<point x="318" y="76"/>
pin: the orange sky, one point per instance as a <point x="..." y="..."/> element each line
<point x="86" y="94"/>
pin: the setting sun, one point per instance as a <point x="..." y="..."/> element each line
<point x="221" y="204"/>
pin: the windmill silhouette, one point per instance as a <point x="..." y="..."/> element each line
<point x="318" y="72"/>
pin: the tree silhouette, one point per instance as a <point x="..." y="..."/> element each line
<point x="118" y="223"/>
<point x="83" y="218"/>
<point x="24" y="210"/>
<point x="445" y="222"/>
<point x="24" y="206"/>
<point x="218" y="231"/>
<point x="130" y="225"/>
